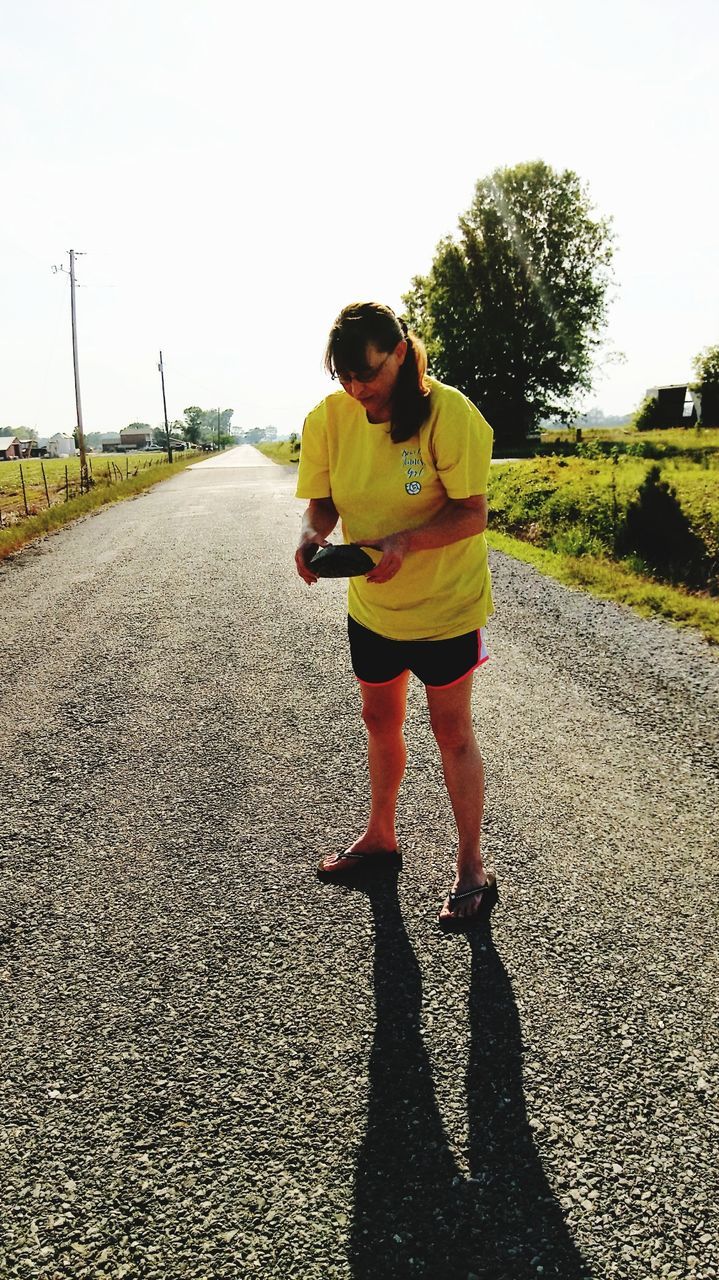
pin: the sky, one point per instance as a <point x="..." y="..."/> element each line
<point x="234" y="175"/>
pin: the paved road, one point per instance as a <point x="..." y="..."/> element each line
<point x="243" y="455"/>
<point x="217" y="1067"/>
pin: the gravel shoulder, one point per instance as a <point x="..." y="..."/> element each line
<point x="215" y="1066"/>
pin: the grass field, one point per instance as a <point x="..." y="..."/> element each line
<point x="581" y="505"/>
<point x="682" y="438"/>
<point x="281" y="451"/>
<point x="692" y="443"/>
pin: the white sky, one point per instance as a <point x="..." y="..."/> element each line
<point x="235" y="175"/>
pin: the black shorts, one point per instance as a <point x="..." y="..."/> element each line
<point x="437" y="663"/>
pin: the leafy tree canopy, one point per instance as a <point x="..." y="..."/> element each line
<point x="193" y="424"/>
<point x="512" y="310"/>
<point x="255" y="435"/>
<point x="21" y="433"/>
<point x="202" y="424"/>
<point x="706" y="366"/>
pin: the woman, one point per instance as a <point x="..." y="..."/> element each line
<point x="403" y="461"/>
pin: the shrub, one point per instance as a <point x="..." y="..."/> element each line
<point x="648" y="416"/>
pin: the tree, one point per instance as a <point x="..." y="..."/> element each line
<point x="193" y="425"/>
<point x="706" y="368"/>
<point x="511" y="311"/>
<point x="648" y="415"/>
<point x="201" y="424"/>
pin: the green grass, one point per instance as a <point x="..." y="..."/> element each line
<point x="615" y="581"/>
<point x="581" y="504"/>
<point x="26" y="529"/>
<point x="279" y="451"/>
<point x="682" y="438"/>
<point x="698" y="444"/>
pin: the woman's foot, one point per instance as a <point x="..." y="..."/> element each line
<point x="368" y="844"/>
<point x="368" y="853"/>
<point x="470" y="899"/>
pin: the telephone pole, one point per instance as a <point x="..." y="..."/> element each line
<point x="164" y="406"/>
<point x="218" y="428"/>
<point x="84" y="476"/>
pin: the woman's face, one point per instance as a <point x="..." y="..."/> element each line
<point x="373" y="386"/>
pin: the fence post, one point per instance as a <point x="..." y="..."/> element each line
<point x="67" y="486"/>
<point x="24" y="490"/>
<point x="44" y="478"/>
<point x="614" y="504"/>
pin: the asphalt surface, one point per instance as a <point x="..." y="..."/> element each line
<point x="215" y="1066"/>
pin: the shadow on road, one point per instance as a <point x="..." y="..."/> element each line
<point x="415" y="1214"/>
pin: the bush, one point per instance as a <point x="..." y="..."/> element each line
<point x="648" y="416"/>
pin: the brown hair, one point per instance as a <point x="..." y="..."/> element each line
<point x="364" y="322"/>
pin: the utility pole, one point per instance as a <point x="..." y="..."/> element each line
<point x="84" y="475"/>
<point x="164" y="405"/>
<point x="218" y="428"/>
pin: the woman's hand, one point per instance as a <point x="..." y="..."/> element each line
<point x="310" y="538"/>
<point x="394" y="549"/>
<point x="318" y="521"/>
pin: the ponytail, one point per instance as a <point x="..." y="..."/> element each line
<point x="411" y="400"/>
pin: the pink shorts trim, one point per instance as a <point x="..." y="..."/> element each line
<point x="483" y="657"/>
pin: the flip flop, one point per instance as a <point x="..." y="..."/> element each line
<point x="459" y="924"/>
<point x="362" y="864"/>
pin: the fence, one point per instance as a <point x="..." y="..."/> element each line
<point x="26" y="488"/>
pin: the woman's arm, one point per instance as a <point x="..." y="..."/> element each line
<point x="318" y="522"/>
<point x="460" y="518"/>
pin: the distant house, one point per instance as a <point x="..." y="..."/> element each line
<point x="135" y="439"/>
<point x="676" y="405"/>
<point x="10" y="447"/>
<point x="111" y="446"/>
<point x="61" y="445"/>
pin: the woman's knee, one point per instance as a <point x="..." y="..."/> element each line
<point x="382" y="719"/>
<point x="453" y="733"/>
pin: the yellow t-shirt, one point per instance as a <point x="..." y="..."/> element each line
<point x="380" y="488"/>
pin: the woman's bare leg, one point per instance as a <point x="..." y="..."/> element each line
<point x="451" y="716"/>
<point x="383" y="712"/>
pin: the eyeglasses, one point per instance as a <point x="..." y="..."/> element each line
<point x="365" y="378"/>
